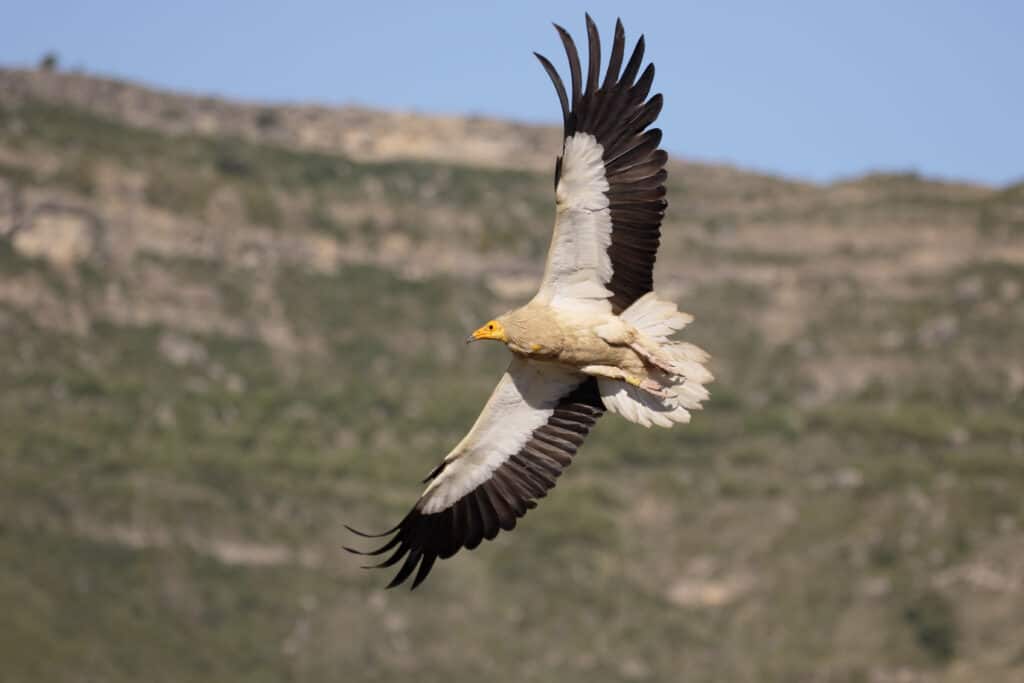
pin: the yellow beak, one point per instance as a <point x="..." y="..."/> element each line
<point x="492" y="330"/>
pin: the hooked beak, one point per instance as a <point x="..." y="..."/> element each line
<point x="492" y="330"/>
<point x="482" y="333"/>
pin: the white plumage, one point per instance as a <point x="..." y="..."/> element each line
<point x="578" y="266"/>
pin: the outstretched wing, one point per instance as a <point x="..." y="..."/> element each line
<point x="609" y="181"/>
<point x="528" y="432"/>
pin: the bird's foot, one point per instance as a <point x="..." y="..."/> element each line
<point x="654" y="359"/>
<point x="648" y="385"/>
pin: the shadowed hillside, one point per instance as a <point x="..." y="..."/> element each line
<point x="230" y="328"/>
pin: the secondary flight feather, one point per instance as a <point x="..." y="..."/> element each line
<point x="595" y="338"/>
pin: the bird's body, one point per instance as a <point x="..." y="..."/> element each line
<point x="571" y="338"/>
<point x="592" y="340"/>
<point x="595" y="337"/>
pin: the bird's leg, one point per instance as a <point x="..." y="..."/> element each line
<point x="618" y="333"/>
<point x="608" y="371"/>
<point x="612" y="372"/>
<point x="654" y="357"/>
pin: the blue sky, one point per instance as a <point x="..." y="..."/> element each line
<point x="815" y="90"/>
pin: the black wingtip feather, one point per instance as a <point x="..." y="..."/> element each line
<point x="425" y="565"/>
<point x="410" y="563"/>
<point x="633" y="65"/>
<point x="643" y="86"/>
<point x="399" y="553"/>
<point x="593" y="55"/>
<point x="380" y="535"/>
<point x="615" y="60"/>
<point x="574" y="66"/>
<point x="556" y="80"/>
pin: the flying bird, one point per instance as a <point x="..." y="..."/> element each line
<point x="594" y="338"/>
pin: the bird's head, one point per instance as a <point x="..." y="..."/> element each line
<point x="493" y="329"/>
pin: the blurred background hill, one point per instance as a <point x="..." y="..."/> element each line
<point x="229" y="328"/>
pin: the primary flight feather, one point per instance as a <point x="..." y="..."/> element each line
<point x="594" y="338"/>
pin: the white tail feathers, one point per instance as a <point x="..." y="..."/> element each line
<point x="644" y="408"/>
<point x="684" y="380"/>
<point x="655" y="318"/>
<point x="640" y="406"/>
<point x="688" y="361"/>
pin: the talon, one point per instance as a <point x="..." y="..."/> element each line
<point x="663" y="368"/>
<point x="652" y="387"/>
<point x="648" y="385"/>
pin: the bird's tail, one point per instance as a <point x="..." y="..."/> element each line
<point x="655" y="318"/>
<point x="678" y="368"/>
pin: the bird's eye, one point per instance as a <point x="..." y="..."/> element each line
<point x="490" y="327"/>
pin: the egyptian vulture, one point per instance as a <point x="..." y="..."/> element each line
<point x="594" y="338"/>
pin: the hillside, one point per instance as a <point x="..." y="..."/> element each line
<point x="230" y="328"/>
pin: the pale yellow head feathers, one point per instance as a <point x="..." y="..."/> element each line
<point x="491" y="330"/>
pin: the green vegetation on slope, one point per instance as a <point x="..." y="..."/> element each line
<point x="183" y="171"/>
